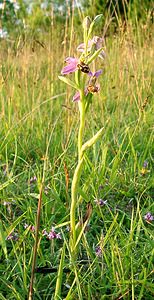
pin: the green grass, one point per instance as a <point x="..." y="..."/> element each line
<point x="39" y="126"/>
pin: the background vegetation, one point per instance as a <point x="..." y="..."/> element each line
<point x="38" y="135"/>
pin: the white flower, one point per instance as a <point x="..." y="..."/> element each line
<point x="2" y="6"/>
<point x="3" y="33"/>
<point x="16" y="6"/>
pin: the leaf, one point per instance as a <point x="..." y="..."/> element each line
<point x="59" y="275"/>
<point x="94" y="22"/>
<point x="93" y="140"/>
<point x="103" y="160"/>
<point x="2" y="239"/>
<point x="98" y="18"/>
<point x="11" y="180"/>
<point x="96" y="53"/>
<point x="83" y="194"/>
<point x="15" y="223"/>
<point x="34" y="195"/>
<point x="69" y="82"/>
<point x="2" y="297"/>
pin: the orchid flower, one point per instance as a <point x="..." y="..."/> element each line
<point x="96" y="42"/>
<point x="91" y="87"/>
<point x="72" y="65"/>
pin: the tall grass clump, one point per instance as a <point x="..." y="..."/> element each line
<point x="38" y="156"/>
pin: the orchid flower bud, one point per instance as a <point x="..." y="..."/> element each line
<point x="98" y="18"/>
<point x="95" y="22"/>
<point x="86" y="23"/>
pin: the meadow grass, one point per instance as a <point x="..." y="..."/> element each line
<point x="38" y="137"/>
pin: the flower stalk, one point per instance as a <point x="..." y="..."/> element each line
<point x="81" y="127"/>
<point x="74" y="193"/>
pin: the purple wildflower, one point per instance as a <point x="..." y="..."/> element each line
<point x="58" y="236"/>
<point x="32" y="228"/>
<point x="46" y="189"/>
<point x="145" y="164"/>
<point x="101" y="187"/>
<point x="149" y="217"/>
<point x="33" y="179"/>
<point x="53" y="235"/>
<point x="5" y="170"/>
<point x="68" y="229"/>
<point x="12" y="236"/>
<point x="98" y="251"/>
<point x="5" y="203"/>
<point x="144" y="169"/>
<point x="8" y="206"/>
<point x="25" y="225"/>
<point x="72" y="65"/>
<point x="100" y="202"/>
<point x="44" y="232"/>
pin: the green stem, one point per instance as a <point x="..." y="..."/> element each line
<point x="60" y="275"/>
<point x="30" y="297"/>
<point x="74" y="191"/>
<point x="77" y="174"/>
<point x="81" y="128"/>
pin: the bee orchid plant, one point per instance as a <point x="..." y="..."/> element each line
<point x="86" y="86"/>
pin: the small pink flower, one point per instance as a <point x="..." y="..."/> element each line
<point x="58" y="236"/>
<point x="12" y="236"/>
<point x="100" y="202"/>
<point x="46" y="190"/>
<point x="53" y="235"/>
<point x="44" y="232"/>
<point x="32" y="228"/>
<point x="149" y="217"/>
<point x="5" y="203"/>
<point x="33" y="179"/>
<point x="98" y="251"/>
<point x="25" y="225"/>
